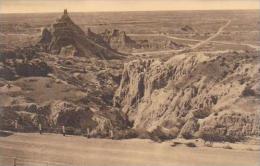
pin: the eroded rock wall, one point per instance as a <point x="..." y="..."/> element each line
<point x="184" y="93"/>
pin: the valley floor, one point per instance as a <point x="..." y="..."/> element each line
<point x="33" y="149"/>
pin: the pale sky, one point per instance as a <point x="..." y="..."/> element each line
<point x="41" y="6"/>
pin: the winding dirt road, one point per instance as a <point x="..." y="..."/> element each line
<point x="55" y="150"/>
<point x="199" y="44"/>
<point x="220" y="30"/>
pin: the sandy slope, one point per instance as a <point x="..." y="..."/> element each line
<point x="51" y="149"/>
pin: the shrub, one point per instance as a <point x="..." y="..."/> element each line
<point x="191" y="144"/>
<point x="218" y="135"/>
<point x="175" y="144"/>
<point x="250" y="149"/>
<point x="160" y="134"/>
<point x="227" y="147"/>
<point x="208" y="144"/>
<point x="248" y="92"/>
<point x="77" y="132"/>
<point x="125" y="134"/>
<point x="70" y="130"/>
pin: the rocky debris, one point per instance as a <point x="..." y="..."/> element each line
<point x="143" y="43"/>
<point x="189" y="128"/>
<point x="27" y="121"/>
<point x="65" y="89"/>
<point x="159" y="44"/>
<point x="98" y="38"/>
<point x="230" y="126"/>
<point x="187" y="89"/>
<point x="57" y="90"/>
<point x="35" y="67"/>
<point x="58" y="113"/>
<point x="187" y="28"/>
<point x="65" y="32"/>
<point x="69" y="51"/>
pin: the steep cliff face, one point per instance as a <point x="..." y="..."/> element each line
<point x="193" y="94"/>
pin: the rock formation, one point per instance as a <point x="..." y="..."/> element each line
<point x="57" y="113"/>
<point x="193" y="93"/>
<point x="65" y="79"/>
<point x="118" y="40"/>
<point x="65" y="32"/>
<point x="98" y="38"/>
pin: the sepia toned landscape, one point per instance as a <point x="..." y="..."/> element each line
<point x="130" y="88"/>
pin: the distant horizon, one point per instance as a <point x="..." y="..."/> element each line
<point x="56" y="6"/>
<point x="57" y="12"/>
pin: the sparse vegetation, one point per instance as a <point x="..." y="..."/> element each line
<point x="208" y="144"/>
<point x="227" y="147"/>
<point x="191" y="144"/>
<point x="250" y="149"/>
<point x="248" y="92"/>
<point x="175" y="144"/>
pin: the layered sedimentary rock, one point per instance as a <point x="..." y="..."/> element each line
<point x="118" y="40"/>
<point x="194" y="94"/>
<point x="64" y="79"/>
<point x="65" y="32"/>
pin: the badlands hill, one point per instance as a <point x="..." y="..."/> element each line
<point x="64" y="79"/>
<point x="115" y="39"/>
<point x="64" y="35"/>
<point x="77" y="79"/>
<point x="193" y="95"/>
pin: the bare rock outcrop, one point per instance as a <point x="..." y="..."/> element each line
<point x="118" y="40"/>
<point x="69" y="51"/>
<point x="77" y="119"/>
<point x="188" y="89"/>
<point x="65" y="32"/>
<point x="45" y="36"/>
<point x="229" y="126"/>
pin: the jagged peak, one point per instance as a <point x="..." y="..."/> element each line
<point x="65" y="18"/>
<point x="90" y="32"/>
<point x="65" y="12"/>
<point x="65" y="32"/>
